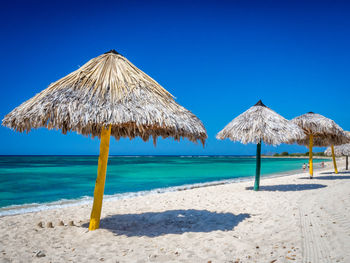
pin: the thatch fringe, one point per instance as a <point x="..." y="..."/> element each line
<point x="260" y="123"/>
<point x="108" y="90"/>
<point x="340" y="150"/>
<point x="324" y="130"/>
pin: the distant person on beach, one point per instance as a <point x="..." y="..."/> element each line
<point x="322" y="164"/>
<point x="304" y="166"/>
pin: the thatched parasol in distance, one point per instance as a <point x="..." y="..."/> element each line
<point x="321" y="132"/>
<point x="107" y="96"/>
<point x="260" y="124"/>
<point x="340" y="150"/>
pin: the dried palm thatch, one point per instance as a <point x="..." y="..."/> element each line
<point x="108" y="90"/>
<point x="320" y="131"/>
<point x="340" y="150"/>
<point x="325" y="140"/>
<point x="260" y="123"/>
<point x="344" y="149"/>
<point x="107" y="96"/>
<point x="324" y="130"/>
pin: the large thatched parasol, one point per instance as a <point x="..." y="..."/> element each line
<point x="340" y="150"/>
<point x="107" y="96"/>
<point x="321" y="132"/>
<point x="260" y="124"/>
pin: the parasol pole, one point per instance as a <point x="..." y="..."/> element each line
<point x="101" y="178"/>
<point x="311" y="170"/>
<point x="334" y="162"/>
<point x="258" y="164"/>
<point x="346" y="162"/>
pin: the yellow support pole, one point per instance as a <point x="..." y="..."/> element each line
<point x="311" y="170"/>
<point x="334" y="162"/>
<point x="101" y="178"/>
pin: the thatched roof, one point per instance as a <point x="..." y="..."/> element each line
<point x="324" y="130"/>
<point x="260" y="123"/>
<point x="108" y="90"/>
<point x="340" y="150"/>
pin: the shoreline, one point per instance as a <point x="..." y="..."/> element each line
<point x="153" y="155"/>
<point x="291" y="218"/>
<point x="86" y="200"/>
<point x="297" y="157"/>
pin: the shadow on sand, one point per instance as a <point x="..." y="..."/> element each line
<point x="342" y="172"/>
<point x="288" y="187"/>
<point x="329" y="177"/>
<point x="170" y="222"/>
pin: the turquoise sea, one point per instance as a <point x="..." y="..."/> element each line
<point x="31" y="181"/>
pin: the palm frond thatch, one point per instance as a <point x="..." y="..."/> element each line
<point x="108" y="90"/>
<point x="260" y="123"/>
<point x="340" y="150"/>
<point x="324" y="130"/>
<point x="325" y="140"/>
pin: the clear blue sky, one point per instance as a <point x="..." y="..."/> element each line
<point x="218" y="58"/>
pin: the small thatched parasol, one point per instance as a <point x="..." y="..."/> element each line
<point x="260" y="124"/>
<point x="340" y="150"/>
<point x="107" y="96"/>
<point x="321" y="132"/>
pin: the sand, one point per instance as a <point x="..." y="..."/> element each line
<point x="291" y="219"/>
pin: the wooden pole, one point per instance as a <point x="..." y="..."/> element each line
<point x="101" y="178"/>
<point x="311" y="170"/>
<point x="334" y="162"/>
<point x="258" y="164"/>
<point x="346" y="162"/>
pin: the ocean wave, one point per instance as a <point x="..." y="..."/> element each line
<point x="37" y="207"/>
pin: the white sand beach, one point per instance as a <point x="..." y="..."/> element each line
<point x="291" y="219"/>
